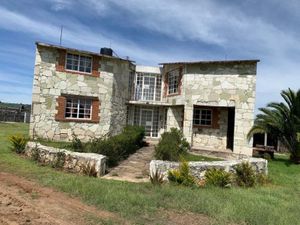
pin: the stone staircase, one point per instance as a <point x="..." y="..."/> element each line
<point x="135" y="168"/>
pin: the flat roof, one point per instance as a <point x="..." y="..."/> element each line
<point x="214" y="61"/>
<point x="78" y="50"/>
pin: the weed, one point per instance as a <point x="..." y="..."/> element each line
<point x="157" y="178"/>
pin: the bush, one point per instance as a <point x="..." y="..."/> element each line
<point x="118" y="147"/>
<point x="217" y="177"/>
<point x="171" y="146"/>
<point x="262" y="179"/>
<point x="77" y="144"/>
<point x="182" y="176"/>
<point x="18" y="143"/>
<point x="244" y="175"/>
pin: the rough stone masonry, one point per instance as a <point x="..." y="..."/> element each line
<point x="76" y="162"/>
<point x="198" y="169"/>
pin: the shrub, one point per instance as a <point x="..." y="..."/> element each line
<point x="182" y="176"/>
<point x="77" y="144"/>
<point x="217" y="177"/>
<point x="171" y="145"/>
<point x="262" y="179"/>
<point x="118" y="147"/>
<point x="157" y="178"/>
<point x="18" y="143"/>
<point x="244" y="175"/>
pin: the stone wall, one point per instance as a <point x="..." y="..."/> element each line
<point x="76" y="162"/>
<point x="210" y="138"/>
<point x="111" y="88"/>
<point x="175" y="117"/>
<point x="198" y="169"/>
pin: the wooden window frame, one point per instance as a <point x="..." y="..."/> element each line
<point x="61" y="109"/>
<point x="62" y="63"/>
<point x="77" y="105"/>
<point x="166" y="83"/>
<point x="176" y="79"/>
<point x="214" y="117"/>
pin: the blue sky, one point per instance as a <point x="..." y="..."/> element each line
<point x="153" y="31"/>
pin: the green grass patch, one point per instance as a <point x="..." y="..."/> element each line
<point x="56" y="144"/>
<point x="277" y="203"/>
<point x="193" y="157"/>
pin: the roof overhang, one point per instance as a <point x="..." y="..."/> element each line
<point x="212" y="62"/>
<point x="79" y="51"/>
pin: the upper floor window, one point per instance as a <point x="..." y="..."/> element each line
<point x="79" y="63"/>
<point x="202" y="117"/>
<point x="147" y="87"/>
<point x="173" y="81"/>
<point x="78" y="108"/>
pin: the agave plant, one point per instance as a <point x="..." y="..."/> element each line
<point x="281" y="120"/>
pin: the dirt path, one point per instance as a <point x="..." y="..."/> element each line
<point x="25" y="202"/>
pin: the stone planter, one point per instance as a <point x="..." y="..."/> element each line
<point x="198" y="169"/>
<point x="91" y="164"/>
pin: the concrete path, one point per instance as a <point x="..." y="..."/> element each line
<point x="135" y="168"/>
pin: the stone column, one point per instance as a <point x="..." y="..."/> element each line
<point x="188" y="123"/>
<point x="243" y="123"/>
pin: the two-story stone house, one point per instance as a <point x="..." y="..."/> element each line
<point x="90" y="94"/>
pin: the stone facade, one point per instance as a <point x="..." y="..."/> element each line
<point x="87" y="163"/>
<point x="175" y="117"/>
<point x="212" y="139"/>
<point x="111" y="88"/>
<point x="198" y="169"/>
<point x="225" y="87"/>
<point x="217" y="84"/>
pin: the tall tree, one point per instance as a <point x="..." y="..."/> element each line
<point x="282" y="120"/>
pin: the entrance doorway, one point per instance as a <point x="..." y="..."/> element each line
<point x="230" y="128"/>
<point x="146" y="120"/>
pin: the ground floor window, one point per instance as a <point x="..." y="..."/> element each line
<point x="202" y="117"/>
<point x="78" y="108"/>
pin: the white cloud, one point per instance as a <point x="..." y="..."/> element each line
<point x="59" y="5"/>
<point x="75" y="34"/>
<point x="205" y="21"/>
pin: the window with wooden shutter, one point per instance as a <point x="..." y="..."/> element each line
<point x="77" y="63"/>
<point x="206" y="117"/>
<point x="77" y="109"/>
<point x="173" y="82"/>
<point x="61" y="61"/>
<point x="60" y="107"/>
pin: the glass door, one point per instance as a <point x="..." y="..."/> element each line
<point x="146" y="120"/>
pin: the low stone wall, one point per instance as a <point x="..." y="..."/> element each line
<point x="198" y="169"/>
<point x="87" y="163"/>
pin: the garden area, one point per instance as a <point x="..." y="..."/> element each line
<point x="275" y="202"/>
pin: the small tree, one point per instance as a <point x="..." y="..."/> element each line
<point x="281" y="120"/>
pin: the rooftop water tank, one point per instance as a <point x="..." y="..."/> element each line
<point x="106" y="51"/>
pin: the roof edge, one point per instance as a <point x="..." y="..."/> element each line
<point x="38" y="43"/>
<point x="214" y="61"/>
